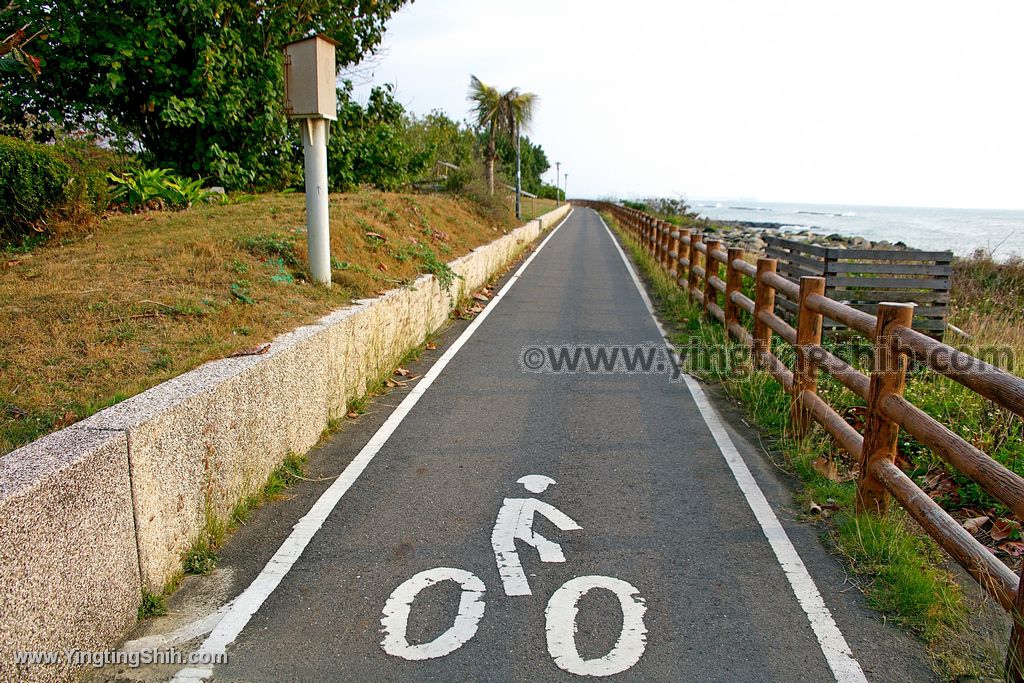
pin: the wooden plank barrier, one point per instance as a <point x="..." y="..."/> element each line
<point x="794" y="283"/>
<point x="864" y="278"/>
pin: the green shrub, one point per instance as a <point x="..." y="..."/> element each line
<point x="88" y="193"/>
<point x="33" y="185"/>
<point x="156" y="188"/>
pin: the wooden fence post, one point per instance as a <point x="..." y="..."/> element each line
<point x="666" y="246"/>
<point x="684" y="253"/>
<point x="888" y="378"/>
<point x="711" y="267"/>
<point x="691" y="277"/>
<point x="733" y="283"/>
<point x="662" y="241"/>
<point x="808" y="333"/>
<point x="673" y="252"/>
<point x="764" y="300"/>
<point x="1014" y="672"/>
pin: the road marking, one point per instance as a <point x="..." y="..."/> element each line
<point x="833" y="645"/>
<point x="253" y="597"/>
<point x="396" y="615"/>
<point x="560" y="627"/>
<point x="536" y="483"/>
<point x="515" y="521"/>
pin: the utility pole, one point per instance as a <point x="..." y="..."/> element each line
<point x="566" y="186"/>
<point x="558" y="183"/>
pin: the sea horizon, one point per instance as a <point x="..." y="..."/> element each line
<point x="999" y="232"/>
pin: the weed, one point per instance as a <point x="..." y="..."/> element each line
<point x="240" y="290"/>
<point x="200" y="559"/>
<point x="272" y="246"/>
<point x="153" y="605"/>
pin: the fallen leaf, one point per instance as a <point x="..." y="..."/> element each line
<point x="826" y="468"/>
<point x="16" y="412"/>
<point x="480" y="297"/>
<point x="431" y="346"/>
<point x="252" y="351"/>
<point x="1002" y="529"/>
<point x="379" y="236"/>
<point x="352" y="415"/>
<point x="975" y="524"/>
<point x="1014" y="548"/>
<point x="402" y="372"/>
<point x="382" y="267"/>
<point x="69" y="418"/>
<point x="390" y="384"/>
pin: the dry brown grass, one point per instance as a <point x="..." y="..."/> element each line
<point x="143" y="298"/>
<point x="532" y="208"/>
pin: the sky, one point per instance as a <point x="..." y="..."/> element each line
<point x="902" y="103"/>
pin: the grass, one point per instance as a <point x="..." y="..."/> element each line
<point x="201" y="558"/>
<point x="90" y="320"/>
<point x="533" y="208"/>
<point x="900" y="570"/>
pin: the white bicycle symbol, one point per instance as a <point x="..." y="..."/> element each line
<point x="515" y="522"/>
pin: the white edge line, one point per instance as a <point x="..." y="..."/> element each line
<point x="253" y="597"/>
<point x="837" y="652"/>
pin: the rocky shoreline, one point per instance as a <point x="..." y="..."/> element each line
<point x="750" y="235"/>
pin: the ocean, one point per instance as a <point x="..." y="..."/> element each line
<point x="961" y="230"/>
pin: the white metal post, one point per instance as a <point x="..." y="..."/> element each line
<point x="558" y="183"/>
<point x="519" y="178"/>
<point x="318" y="231"/>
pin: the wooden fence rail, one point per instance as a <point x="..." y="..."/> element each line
<point x="696" y="263"/>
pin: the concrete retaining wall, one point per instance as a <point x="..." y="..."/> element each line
<point x="92" y="515"/>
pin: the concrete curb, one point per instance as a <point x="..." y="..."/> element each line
<point x="95" y="513"/>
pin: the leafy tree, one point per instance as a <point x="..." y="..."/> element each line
<point x="14" y="58"/>
<point x="198" y="83"/>
<point x="534" y="162"/>
<point x="548" y="192"/>
<point x="370" y="145"/>
<point x="444" y="139"/>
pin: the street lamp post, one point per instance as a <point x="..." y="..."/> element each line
<point x="566" y="186"/>
<point x="519" y="178"/>
<point x="558" y="183"/>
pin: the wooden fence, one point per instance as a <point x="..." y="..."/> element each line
<point x="696" y="263"/>
<point x="864" y="278"/>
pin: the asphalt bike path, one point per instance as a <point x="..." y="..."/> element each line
<point x="510" y="522"/>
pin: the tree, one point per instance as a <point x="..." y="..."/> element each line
<point x="370" y="145"/>
<point x="534" y="162"/>
<point x="519" y="110"/>
<point x="13" y="57"/>
<point x="500" y="114"/>
<point x="198" y="84"/>
<point x="489" y="117"/>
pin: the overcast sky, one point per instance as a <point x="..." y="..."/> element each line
<point x="894" y="103"/>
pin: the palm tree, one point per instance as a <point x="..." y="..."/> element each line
<point x="501" y="114"/>
<point x="519" y="110"/>
<point x="487" y="109"/>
